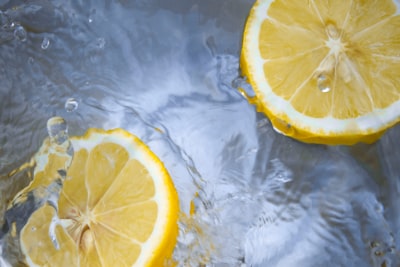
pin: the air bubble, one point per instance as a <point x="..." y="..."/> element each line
<point x="20" y="33"/>
<point x="45" y="43"/>
<point x="71" y="104"/>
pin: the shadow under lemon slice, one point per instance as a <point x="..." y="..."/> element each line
<point x="118" y="207"/>
<point x="325" y="71"/>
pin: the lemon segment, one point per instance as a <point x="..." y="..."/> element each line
<point x="41" y="250"/>
<point x="118" y="207"/>
<point x="325" y="71"/>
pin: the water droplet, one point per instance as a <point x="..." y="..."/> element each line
<point x="90" y="20"/>
<point x="20" y="33"/>
<point x="45" y="43"/>
<point x="71" y="104"/>
<point x="323" y="83"/>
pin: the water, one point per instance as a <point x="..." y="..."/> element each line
<point x="168" y="71"/>
<point x="71" y="105"/>
<point x="323" y="83"/>
<point x="45" y="43"/>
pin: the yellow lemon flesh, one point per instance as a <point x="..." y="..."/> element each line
<point x="118" y="207"/>
<point x="325" y="71"/>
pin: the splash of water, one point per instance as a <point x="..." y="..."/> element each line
<point x="53" y="159"/>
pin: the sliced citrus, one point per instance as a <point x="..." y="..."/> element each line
<point x="325" y="71"/>
<point x="118" y="207"/>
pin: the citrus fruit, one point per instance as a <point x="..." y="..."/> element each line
<point x="118" y="207"/>
<point x="325" y="71"/>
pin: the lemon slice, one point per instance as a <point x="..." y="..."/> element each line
<point x="118" y="207"/>
<point x="325" y="71"/>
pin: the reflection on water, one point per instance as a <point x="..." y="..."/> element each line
<point x="167" y="70"/>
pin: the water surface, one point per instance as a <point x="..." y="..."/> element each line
<point x="167" y="70"/>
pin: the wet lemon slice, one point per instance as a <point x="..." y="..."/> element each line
<point x="325" y="71"/>
<point x="118" y="207"/>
